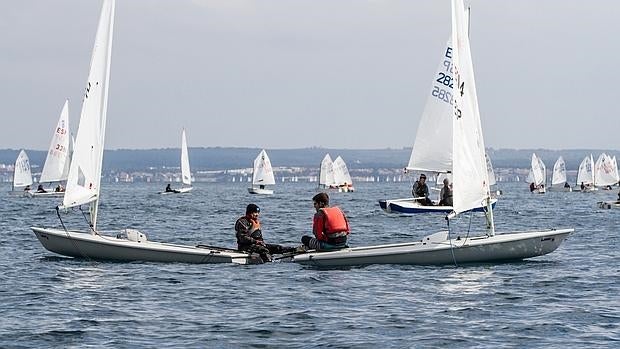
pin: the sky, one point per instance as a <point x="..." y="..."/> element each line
<point x="281" y="74"/>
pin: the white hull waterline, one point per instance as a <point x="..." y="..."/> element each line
<point x="260" y="191"/>
<point x="438" y="250"/>
<point x="178" y="190"/>
<point x="49" y="194"/>
<point x="411" y="206"/>
<point x="109" y="248"/>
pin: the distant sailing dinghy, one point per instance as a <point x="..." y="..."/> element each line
<point x="83" y="184"/>
<point x="56" y="167"/>
<point x="538" y="175"/>
<point x="558" y="180"/>
<point x="605" y="172"/>
<point x="22" y="176"/>
<point x="343" y="180"/>
<point x="585" y="175"/>
<point x="262" y="175"/>
<point x="326" y="174"/>
<point x="186" y="174"/>
<point x="471" y="186"/>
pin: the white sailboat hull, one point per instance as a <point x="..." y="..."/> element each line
<point x="483" y="249"/>
<point x="108" y="248"/>
<point x="260" y="191"/>
<point x="49" y="194"/>
<point x="411" y="206"/>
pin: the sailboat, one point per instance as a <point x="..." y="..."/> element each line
<point x="262" y="175"/>
<point x="585" y="175"/>
<point x="605" y="172"/>
<point x="56" y="167"/>
<point x="538" y="175"/>
<point x="326" y="174"/>
<point x="471" y="186"/>
<point x="186" y="174"/>
<point x="558" y="180"/>
<point x="22" y="176"/>
<point x="492" y="180"/>
<point x="432" y="151"/>
<point x="342" y="178"/>
<point x="83" y="184"/>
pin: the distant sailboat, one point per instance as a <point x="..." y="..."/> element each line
<point x="326" y="174"/>
<point x="342" y="178"/>
<point x="538" y="175"/>
<point x="186" y="174"/>
<point x="606" y="172"/>
<point x="585" y="175"/>
<point x="22" y="176"/>
<point x="262" y="175"/>
<point x="558" y="180"/>
<point x="56" y="167"/>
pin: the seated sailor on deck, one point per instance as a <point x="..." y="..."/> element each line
<point x="446" y="193"/>
<point x="40" y="189"/>
<point x="330" y="226"/>
<point x="169" y="189"/>
<point x="566" y="185"/>
<point x="420" y="191"/>
<point x="59" y="188"/>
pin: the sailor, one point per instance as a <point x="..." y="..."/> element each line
<point x="532" y="186"/>
<point x="250" y="237"/>
<point x="40" y="189"/>
<point x="59" y="188"/>
<point x="330" y="226"/>
<point x="27" y="188"/>
<point x="420" y="191"/>
<point x="566" y="185"/>
<point x="169" y="189"/>
<point x="446" y="193"/>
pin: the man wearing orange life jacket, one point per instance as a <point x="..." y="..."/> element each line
<point x="330" y="226"/>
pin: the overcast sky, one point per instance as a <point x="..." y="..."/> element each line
<point x="302" y="73"/>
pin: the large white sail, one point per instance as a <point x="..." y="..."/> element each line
<point x="186" y="175"/>
<point x="432" y="150"/>
<point x="585" y="174"/>
<point x="263" y="173"/>
<point x="341" y="172"/>
<point x="604" y="172"/>
<point x="470" y="176"/>
<point x="538" y="172"/>
<point x="614" y="165"/>
<point x="326" y="176"/>
<point x="83" y="184"/>
<point x="559" y="173"/>
<point x="22" y="176"/>
<point x="55" y="168"/>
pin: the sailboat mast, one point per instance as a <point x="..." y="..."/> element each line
<point x="94" y="207"/>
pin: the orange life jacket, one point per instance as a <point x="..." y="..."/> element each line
<point x="335" y="221"/>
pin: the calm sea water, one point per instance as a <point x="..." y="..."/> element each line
<point x="569" y="298"/>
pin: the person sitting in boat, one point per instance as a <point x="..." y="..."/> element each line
<point x="40" y="189"/>
<point x="262" y="186"/>
<point x="583" y="187"/>
<point x="446" y="193"/>
<point x="420" y="191"/>
<point x="27" y="188"/>
<point x="532" y="186"/>
<point x="169" y="189"/>
<point x="59" y="188"/>
<point x="330" y="226"/>
<point x="566" y="185"/>
<point x="250" y="237"/>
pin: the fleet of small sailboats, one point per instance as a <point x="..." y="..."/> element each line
<point x="262" y="175"/>
<point x="334" y="175"/>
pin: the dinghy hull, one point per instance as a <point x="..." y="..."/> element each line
<point x="260" y="191"/>
<point x="108" y="248"/>
<point x="483" y="249"/>
<point x="410" y="206"/>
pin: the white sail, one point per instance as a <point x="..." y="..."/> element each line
<point x="538" y="171"/>
<point x="470" y="176"/>
<point x="55" y="169"/>
<point x="83" y="184"/>
<point x="326" y="176"/>
<point x="432" y="150"/>
<point x="604" y="172"/>
<point x="586" y="171"/>
<point x="614" y="165"/>
<point x="341" y="172"/>
<point x="186" y="175"/>
<point x="492" y="180"/>
<point x="22" y="175"/>
<point x="559" y="173"/>
<point x="263" y="173"/>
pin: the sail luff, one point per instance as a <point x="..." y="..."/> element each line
<point x="186" y="175"/>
